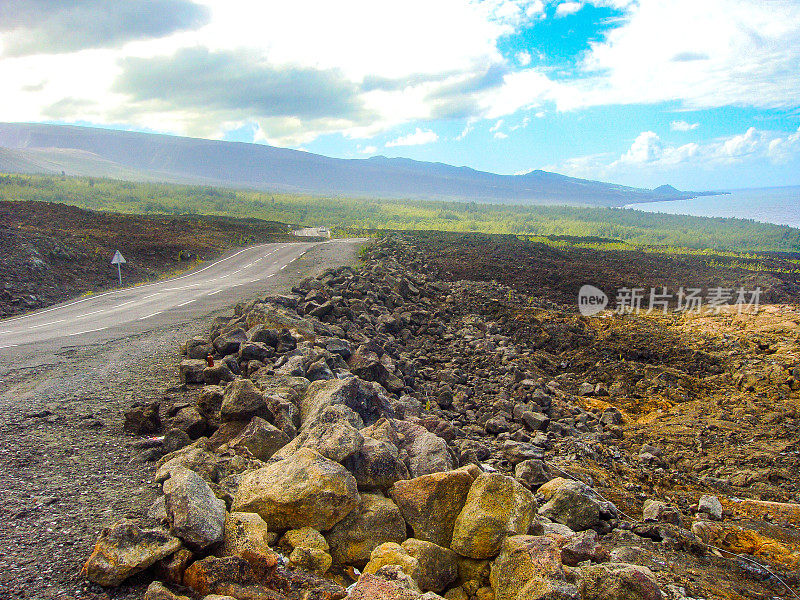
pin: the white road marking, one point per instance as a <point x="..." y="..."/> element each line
<point x="283" y="267"/>
<point x="9" y="346"/>
<point x="214" y="292"/>
<point x="89" y="314"/>
<point x="87" y="331"/>
<point x="184" y="303"/>
<point x="152" y="295"/>
<point x="43" y="324"/>
<point x="150" y="315"/>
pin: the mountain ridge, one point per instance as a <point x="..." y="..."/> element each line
<point x="77" y="150"/>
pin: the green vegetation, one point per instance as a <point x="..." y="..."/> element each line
<point x="609" y="229"/>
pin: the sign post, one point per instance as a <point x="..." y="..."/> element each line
<point x="118" y="260"/>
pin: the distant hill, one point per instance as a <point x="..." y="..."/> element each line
<point x="666" y="190"/>
<point x="39" y="148"/>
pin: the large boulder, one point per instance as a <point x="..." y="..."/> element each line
<point x="332" y="434"/>
<point x="229" y="342"/>
<point x="427" y="452"/>
<point x="497" y="506"/>
<point x="438" y="566"/>
<point x="431" y="503"/>
<point x="375" y="521"/>
<point x="528" y="563"/>
<point x="194" y="458"/>
<point x="285" y="387"/>
<point x="243" y="401"/>
<point x="277" y="317"/>
<point x="391" y="553"/>
<point x="358" y="395"/>
<point x="583" y="546"/>
<point x="195" y="514"/>
<point x="261" y="439"/>
<point x="157" y="591"/>
<point x="377" y="465"/>
<point x="247" y="536"/>
<point x="373" y="587"/>
<point x="571" y="503"/>
<point x="366" y="363"/>
<point x="305" y="489"/>
<point x="143" y="419"/>
<point x="209" y="403"/>
<point x="222" y="576"/>
<point x="125" y="549"/>
<point x="618" y="581"/>
<point x="191" y="370"/>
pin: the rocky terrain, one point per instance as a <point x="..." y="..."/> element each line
<point x="52" y="252"/>
<point x="384" y="433"/>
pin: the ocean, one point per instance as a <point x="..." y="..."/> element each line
<point x="779" y="205"/>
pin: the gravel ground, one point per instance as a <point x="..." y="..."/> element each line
<point x="69" y="468"/>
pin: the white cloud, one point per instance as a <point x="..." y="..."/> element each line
<point x="683" y="126"/>
<point x="728" y="53"/>
<point x="418" y="138"/>
<point x="650" y="154"/>
<point x="499" y="135"/>
<point x="568" y="8"/>
<point x="368" y="150"/>
<point x="535" y="9"/>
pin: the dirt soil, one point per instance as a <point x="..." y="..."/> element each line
<point x="53" y="252"/>
<point x="556" y="274"/>
<point x="68" y="466"/>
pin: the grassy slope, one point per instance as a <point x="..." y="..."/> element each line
<point x="630" y="226"/>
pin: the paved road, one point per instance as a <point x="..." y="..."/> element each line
<point x="146" y="306"/>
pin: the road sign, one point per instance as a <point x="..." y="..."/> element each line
<point x="118" y="260"/>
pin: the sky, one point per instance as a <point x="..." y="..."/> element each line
<point x="700" y="94"/>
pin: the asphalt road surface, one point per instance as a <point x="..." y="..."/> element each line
<point x="139" y="308"/>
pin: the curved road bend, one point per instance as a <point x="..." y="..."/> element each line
<point x="144" y="307"/>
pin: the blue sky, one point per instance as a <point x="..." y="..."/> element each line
<point x="701" y="95"/>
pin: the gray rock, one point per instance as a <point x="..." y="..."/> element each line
<point x="260" y="438"/>
<point x="243" y="401"/>
<point x="195" y="514"/>
<point x="358" y="395"/>
<point x="331" y="434"/>
<point x="191" y="370"/>
<point x="536" y="421"/>
<point x="191" y="421"/>
<point x="573" y="504"/>
<point x="711" y="506"/>
<point x="377" y="465"/>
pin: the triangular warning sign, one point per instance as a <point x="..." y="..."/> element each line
<point x="118" y="259"/>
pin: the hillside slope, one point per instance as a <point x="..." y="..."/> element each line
<point x="38" y="148"/>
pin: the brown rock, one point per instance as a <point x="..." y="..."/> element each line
<point x="143" y="419"/>
<point x="431" y="503"/>
<point x="305" y="489"/>
<point x="124" y="549"/>
<point x="372" y="587"/>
